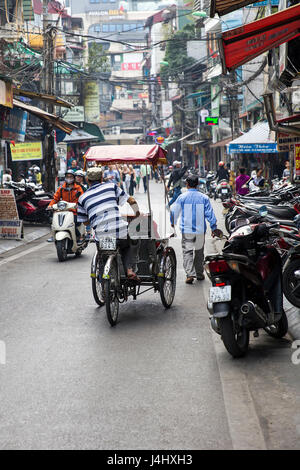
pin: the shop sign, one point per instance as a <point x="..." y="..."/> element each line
<point x="286" y="142"/>
<point x="130" y="66"/>
<point x="91" y="102"/>
<point x="114" y="13"/>
<point x="253" y="148"/>
<point x="10" y="225"/>
<point x="212" y="121"/>
<point x="14" y="127"/>
<point x="76" y="114"/>
<point x="26" y="151"/>
<point x="6" y="94"/>
<point x="297" y="161"/>
<point x="240" y="45"/>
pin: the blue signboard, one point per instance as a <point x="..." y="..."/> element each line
<point x="253" y="148"/>
<point x="274" y="3"/>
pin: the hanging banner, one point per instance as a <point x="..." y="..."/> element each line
<point x="240" y="45"/>
<point x="10" y="225"/>
<point x="297" y="161"/>
<point x="91" y="102"/>
<point x="26" y="151"/>
<point x="14" y="127"/>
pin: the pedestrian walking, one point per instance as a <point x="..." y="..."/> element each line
<point x="137" y="177"/>
<point x="240" y="183"/>
<point x="145" y="172"/>
<point x="132" y="184"/>
<point x="194" y="208"/>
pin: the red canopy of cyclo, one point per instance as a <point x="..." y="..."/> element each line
<point x="131" y="154"/>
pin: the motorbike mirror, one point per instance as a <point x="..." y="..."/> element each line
<point x="263" y="211"/>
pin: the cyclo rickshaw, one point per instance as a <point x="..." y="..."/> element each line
<point x="156" y="263"/>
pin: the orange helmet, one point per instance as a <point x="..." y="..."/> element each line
<point x="221" y="163"/>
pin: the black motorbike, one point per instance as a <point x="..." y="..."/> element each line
<point x="291" y="272"/>
<point x="246" y="293"/>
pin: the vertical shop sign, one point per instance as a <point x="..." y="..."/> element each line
<point x="91" y="102"/>
<point x="297" y="161"/>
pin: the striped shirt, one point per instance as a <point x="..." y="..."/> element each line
<point x="99" y="205"/>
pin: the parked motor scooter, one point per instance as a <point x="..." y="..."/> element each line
<point x="246" y="292"/>
<point x="223" y="190"/>
<point x="64" y="231"/>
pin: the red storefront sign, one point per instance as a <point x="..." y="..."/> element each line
<point x="131" y="66"/>
<point x="240" y="45"/>
<point x="297" y="160"/>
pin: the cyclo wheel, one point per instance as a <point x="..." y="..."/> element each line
<point x="167" y="277"/>
<point x="111" y="285"/>
<point x="97" y="281"/>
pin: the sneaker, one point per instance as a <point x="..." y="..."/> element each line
<point x="200" y="277"/>
<point x="50" y="240"/>
<point x="189" y="280"/>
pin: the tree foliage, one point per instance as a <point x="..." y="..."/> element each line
<point x="97" y="62"/>
<point x="176" y="54"/>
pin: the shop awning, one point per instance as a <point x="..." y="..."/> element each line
<point x="257" y="140"/>
<point x="51" y="118"/>
<point x="79" y="135"/>
<point x="221" y="143"/>
<point x="139" y="154"/>
<point x="222" y="7"/>
<point x="43" y="97"/>
<point x="242" y="44"/>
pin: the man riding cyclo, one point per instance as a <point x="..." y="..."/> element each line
<point x="99" y="206"/>
<point x="69" y="192"/>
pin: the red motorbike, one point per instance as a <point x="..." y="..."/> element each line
<point x="32" y="208"/>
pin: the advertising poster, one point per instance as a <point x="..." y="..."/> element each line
<point x="14" y="127"/>
<point x="26" y="151"/>
<point x="91" y="102"/>
<point x="10" y="225"/>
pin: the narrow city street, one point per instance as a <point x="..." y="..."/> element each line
<point x="158" y="380"/>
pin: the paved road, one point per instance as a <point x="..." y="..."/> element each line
<point x="159" y="380"/>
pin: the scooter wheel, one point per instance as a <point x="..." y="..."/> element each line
<point x="62" y="249"/>
<point x="291" y="284"/>
<point x="235" y="343"/>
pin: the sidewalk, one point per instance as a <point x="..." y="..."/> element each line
<point x="31" y="233"/>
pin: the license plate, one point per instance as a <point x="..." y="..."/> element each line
<point x="108" y="243"/>
<point x="224" y="191"/>
<point x="219" y="294"/>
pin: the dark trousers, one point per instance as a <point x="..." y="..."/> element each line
<point x="145" y="183"/>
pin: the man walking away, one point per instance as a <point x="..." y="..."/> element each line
<point x="222" y="173"/>
<point x="194" y="208"/>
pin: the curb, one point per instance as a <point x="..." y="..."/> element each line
<point x="6" y="245"/>
<point x="293" y="315"/>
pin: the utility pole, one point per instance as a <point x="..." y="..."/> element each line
<point x="48" y="87"/>
<point x="232" y="95"/>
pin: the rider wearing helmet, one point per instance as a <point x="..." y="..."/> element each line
<point x="69" y="191"/>
<point x="222" y="173"/>
<point x="38" y="174"/>
<point x="79" y="179"/>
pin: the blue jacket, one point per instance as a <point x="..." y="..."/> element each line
<point x="194" y="209"/>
